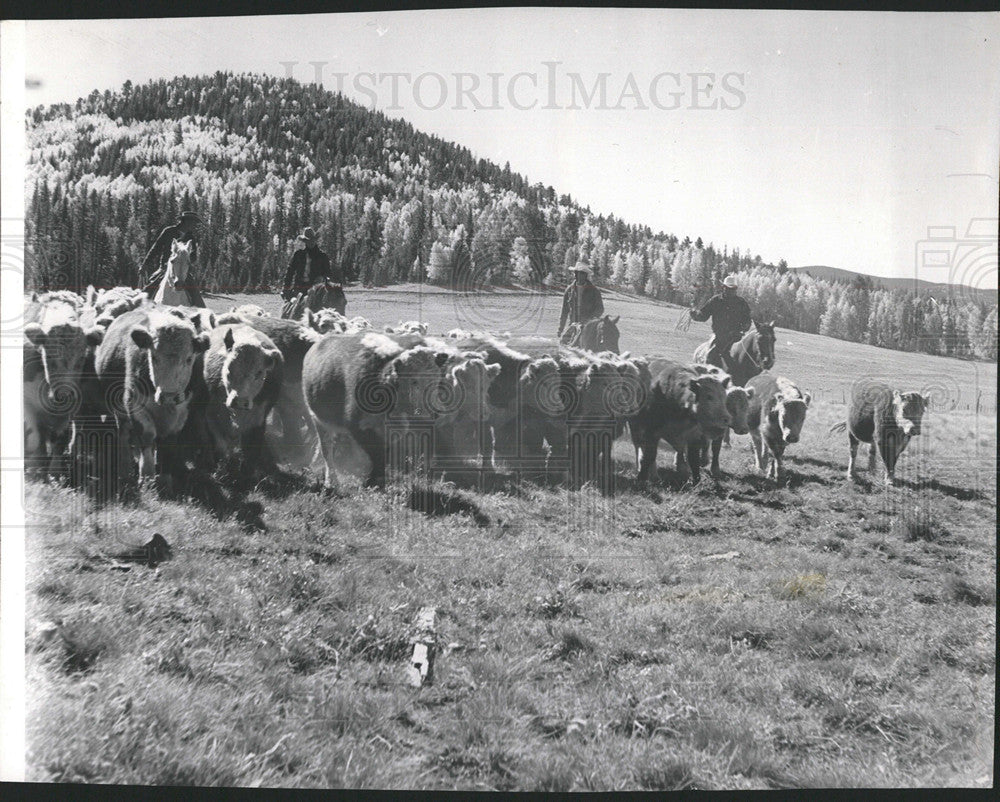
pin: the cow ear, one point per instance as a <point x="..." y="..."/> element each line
<point x="695" y="386"/>
<point x="750" y="392"/>
<point x="201" y="343"/>
<point x="771" y="324"/>
<point x="142" y="337"/>
<point x="35" y="334"/>
<point x="228" y="340"/>
<point x="389" y="329"/>
<point x="440" y="358"/>
<point x="617" y="318"/>
<point x="927" y="400"/>
<point x="95" y="335"/>
<point x="807" y="397"/>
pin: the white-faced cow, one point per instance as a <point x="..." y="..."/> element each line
<point x="364" y="385"/>
<point x="885" y="418"/>
<point x="738" y="407"/>
<point x="777" y="413"/>
<point x="294" y="340"/>
<point x="55" y="350"/>
<point x="682" y="407"/>
<point x="243" y="373"/>
<point x="145" y="366"/>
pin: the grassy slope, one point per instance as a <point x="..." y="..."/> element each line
<point x="591" y="643"/>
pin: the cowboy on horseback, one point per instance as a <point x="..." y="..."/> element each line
<point x="184" y="230"/>
<point x="582" y="301"/>
<point x="731" y="318"/>
<point x="309" y="266"/>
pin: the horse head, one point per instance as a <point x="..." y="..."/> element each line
<point x="763" y="338"/>
<point x="179" y="262"/>
<point x="608" y="334"/>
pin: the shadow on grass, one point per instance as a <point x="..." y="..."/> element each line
<point x="819" y="463"/>
<point x="960" y="493"/>
<point x="436" y="501"/>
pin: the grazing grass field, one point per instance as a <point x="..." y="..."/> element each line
<point x="734" y="636"/>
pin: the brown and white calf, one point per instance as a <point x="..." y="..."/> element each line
<point x="776" y="415"/>
<point x="145" y="365"/>
<point x="56" y="347"/>
<point x="885" y="418"/>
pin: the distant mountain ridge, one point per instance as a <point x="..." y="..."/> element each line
<point x="936" y="290"/>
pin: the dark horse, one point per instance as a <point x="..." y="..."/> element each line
<point x="749" y="356"/>
<point x="599" y="334"/>
<point x="324" y="295"/>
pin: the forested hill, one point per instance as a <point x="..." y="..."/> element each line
<point x="260" y="157"/>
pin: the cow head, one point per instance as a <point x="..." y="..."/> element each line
<point x="415" y="377"/>
<point x="908" y="411"/>
<point x="467" y="382"/>
<point x="709" y="405"/>
<point x="738" y="407"/>
<point x="325" y="321"/>
<point x="171" y="345"/>
<point x="789" y="412"/>
<point x="245" y="369"/>
<point x="62" y="345"/>
<point x="541" y="386"/>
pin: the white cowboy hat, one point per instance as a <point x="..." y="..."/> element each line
<point x="729" y="281"/>
<point x="583" y="267"/>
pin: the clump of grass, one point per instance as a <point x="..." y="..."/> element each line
<point x="961" y="590"/>
<point x="84" y="640"/>
<point x="554" y="604"/>
<point x="924" y="526"/>
<point x="803" y="586"/>
<point x="667" y="774"/>
<point x="569" y="642"/>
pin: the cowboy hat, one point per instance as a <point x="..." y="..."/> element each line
<point x="583" y="267"/>
<point x="193" y="216"/>
<point x="307" y="235"/>
<point x="729" y="281"/>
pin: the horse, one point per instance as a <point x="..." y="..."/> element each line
<point x="178" y="266"/>
<point x="323" y="295"/>
<point x="599" y="334"/>
<point x="751" y="355"/>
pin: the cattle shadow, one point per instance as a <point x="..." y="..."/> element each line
<point x="959" y="493"/>
<point x="439" y="502"/>
<point x="819" y="463"/>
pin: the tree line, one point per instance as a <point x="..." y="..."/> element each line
<point x="260" y="158"/>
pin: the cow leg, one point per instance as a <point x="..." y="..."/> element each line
<point x="374" y="447"/>
<point x="256" y="453"/>
<point x="716" y="448"/>
<point x="872" y="451"/>
<point x="646" y="457"/>
<point x="725" y="439"/>
<point x="757" y="442"/>
<point x="777" y="452"/>
<point x="854" y="443"/>
<point x="328" y="448"/>
<point x="694" y="461"/>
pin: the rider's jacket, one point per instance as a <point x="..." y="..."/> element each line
<point x="730" y="315"/>
<point x="582" y="302"/>
<point x="308" y="267"/>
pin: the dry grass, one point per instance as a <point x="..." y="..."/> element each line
<point x="587" y="643"/>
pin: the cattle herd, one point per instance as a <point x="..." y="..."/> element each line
<point x="185" y="389"/>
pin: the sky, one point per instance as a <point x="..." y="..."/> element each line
<point x="835" y="138"/>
